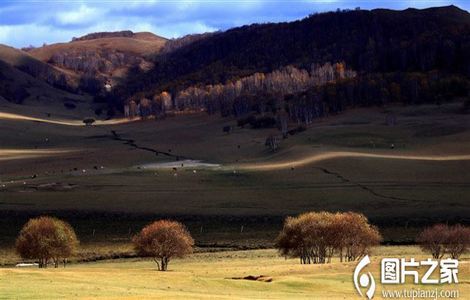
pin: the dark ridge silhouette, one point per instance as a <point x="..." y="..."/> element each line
<point x="379" y="40"/>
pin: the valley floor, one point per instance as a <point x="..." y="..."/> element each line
<point x="209" y="276"/>
<point x="108" y="181"/>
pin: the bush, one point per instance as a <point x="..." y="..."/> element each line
<point x="163" y="240"/>
<point x="263" y="122"/>
<point x="272" y="142"/>
<point x="458" y="241"/>
<point x="354" y="235"/>
<point x="296" y="130"/>
<point x="257" y="122"/>
<point x="88" y="121"/>
<point x="46" y="238"/>
<point x="244" y="121"/>
<point x="441" y="239"/>
<point x="316" y="237"/>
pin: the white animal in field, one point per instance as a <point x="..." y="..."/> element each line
<point x="22" y="265"/>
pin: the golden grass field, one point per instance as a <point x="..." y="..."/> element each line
<point x="208" y="276"/>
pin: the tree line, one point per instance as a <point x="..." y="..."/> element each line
<point x="376" y="41"/>
<point x="297" y="96"/>
<point x="236" y="97"/>
<point x="375" y="90"/>
<point x="313" y="238"/>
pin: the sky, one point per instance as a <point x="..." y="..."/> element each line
<point x="34" y="22"/>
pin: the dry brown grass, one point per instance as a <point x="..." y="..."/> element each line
<point x="142" y="44"/>
<point x="208" y="276"/>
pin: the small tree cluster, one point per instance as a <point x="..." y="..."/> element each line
<point x="163" y="240"/>
<point x="441" y="239"/>
<point x="316" y="236"/>
<point x="46" y="239"/>
<point x="272" y="142"/>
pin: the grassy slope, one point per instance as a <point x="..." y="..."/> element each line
<point x="393" y="192"/>
<point x="141" y="44"/>
<point x="206" y="276"/>
<point x="43" y="97"/>
<point x="24" y="60"/>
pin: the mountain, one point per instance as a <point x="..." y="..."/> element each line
<point x="26" y="63"/>
<point x="103" y="57"/>
<point x="19" y="87"/>
<point x="304" y="69"/>
<point x="26" y="80"/>
<point x="371" y="41"/>
<point x="410" y="56"/>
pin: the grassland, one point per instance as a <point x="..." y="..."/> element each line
<point x="207" y="276"/>
<point x="101" y="191"/>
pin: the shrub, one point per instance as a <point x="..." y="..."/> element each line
<point x="163" y="240"/>
<point x="272" y="142"/>
<point x="441" y="239"/>
<point x="263" y="122"/>
<point x="257" y="122"/>
<point x="88" y="121"/>
<point x="316" y="237"/>
<point x="458" y="241"/>
<point x="354" y="235"/>
<point x="244" y="121"/>
<point x="432" y="240"/>
<point x="45" y="239"/>
<point x="296" y="130"/>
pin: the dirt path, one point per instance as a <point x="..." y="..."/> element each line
<point x="344" y="154"/>
<point x="10" y="154"/>
<point x="10" y="116"/>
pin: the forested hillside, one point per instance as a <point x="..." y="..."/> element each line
<point x="410" y="56"/>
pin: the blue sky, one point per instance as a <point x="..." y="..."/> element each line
<point x="33" y="22"/>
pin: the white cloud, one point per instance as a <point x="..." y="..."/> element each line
<point x="34" y="34"/>
<point x="83" y="15"/>
<point x="183" y="28"/>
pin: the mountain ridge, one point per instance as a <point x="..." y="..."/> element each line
<point x="379" y="42"/>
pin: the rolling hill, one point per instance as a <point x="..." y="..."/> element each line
<point x="411" y="56"/>
<point x="26" y="63"/>
<point x="29" y="85"/>
<point x="370" y="42"/>
<point x="310" y="68"/>
<point x="61" y="77"/>
<point x="103" y="56"/>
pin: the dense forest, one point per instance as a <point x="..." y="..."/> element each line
<point x="410" y="56"/>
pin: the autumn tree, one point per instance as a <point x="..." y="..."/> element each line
<point x="432" y="240"/>
<point x="316" y="236"/>
<point x="458" y="240"/>
<point x="354" y="235"/>
<point x="291" y="241"/>
<point x="164" y="240"/>
<point x="236" y="96"/>
<point x="272" y="142"/>
<point x="46" y="239"/>
<point x="441" y="239"/>
<point x="88" y="121"/>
